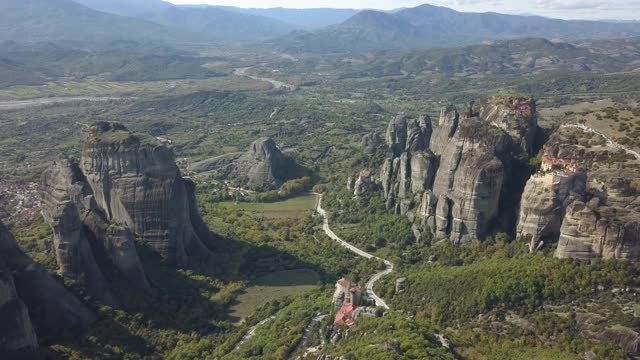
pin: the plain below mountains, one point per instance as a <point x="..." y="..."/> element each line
<point x="428" y="26"/>
<point x="100" y="21"/>
<point x="41" y="62"/>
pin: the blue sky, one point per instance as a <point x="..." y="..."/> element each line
<point x="566" y="9"/>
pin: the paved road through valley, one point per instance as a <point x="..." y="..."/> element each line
<point x="377" y="276"/>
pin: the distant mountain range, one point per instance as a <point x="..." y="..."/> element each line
<point x="216" y="22"/>
<point x="300" y="18"/>
<point x="42" y="20"/>
<point x="291" y="30"/>
<point x="428" y="26"/>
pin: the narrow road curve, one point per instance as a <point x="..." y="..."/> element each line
<point x="252" y="331"/>
<point x="610" y="143"/>
<point x="377" y="276"/>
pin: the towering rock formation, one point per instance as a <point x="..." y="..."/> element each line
<point x="372" y="142"/>
<point x="65" y="196"/>
<point x="136" y="184"/>
<point x="586" y="197"/>
<point x="410" y="165"/>
<point x="126" y="186"/>
<point x="263" y="165"/>
<point x="453" y="176"/>
<point x="33" y="305"/>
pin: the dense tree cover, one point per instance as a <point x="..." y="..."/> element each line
<point x="219" y="191"/>
<point x="281" y="243"/>
<point x="278" y="338"/>
<point x="448" y="293"/>
<point x="479" y="286"/>
<point x="365" y="221"/>
<point x="393" y="336"/>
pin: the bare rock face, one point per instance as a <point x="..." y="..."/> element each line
<point x="372" y="142"/>
<point x="583" y="199"/>
<point x="33" y="306"/>
<point x="136" y="184"/>
<point x="125" y="187"/>
<point x="543" y="205"/>
<point x="411" y="165"/>
<point x="458" y="171"/>
<point x="16" y="330"/>
<point x="63" y="189"/>
<point x="263" y="165"/>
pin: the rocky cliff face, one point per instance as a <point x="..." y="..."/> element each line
<point x="410" y="165"/>
<point x="64" y="198"/>
<point x="372" y="142"/>
<point x="136" y="184"/>
<point x="263" y="165"/>
<point x="453" y="176"/>
<point x="585" y="197"/>
<point x="33" y="305"/>
<point x="125" y="186"/>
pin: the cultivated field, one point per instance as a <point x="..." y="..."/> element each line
<point x="270" y="287"/>
<point x="293" y="207"/>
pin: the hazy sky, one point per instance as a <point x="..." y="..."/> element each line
<point x="567" y="9"/>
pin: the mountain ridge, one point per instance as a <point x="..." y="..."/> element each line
<point x="44" y="20"/>
<point x="428" y="26"/>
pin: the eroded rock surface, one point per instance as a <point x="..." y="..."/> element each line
<point x="136" y="183"/>
<point x="263" y="165"/>
<point x="33" y="305"/>
<point x="126" y="186"/>
<point x="585" y="197"/>
<point x="454" y="175"/>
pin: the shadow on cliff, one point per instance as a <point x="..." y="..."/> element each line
<point x="197" y="298"/>
<point x="521" y="169"/>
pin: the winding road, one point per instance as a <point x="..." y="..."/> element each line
<point x="377" y="276"/>
<point x="369" y="286"/>
<point x="609" y="142"/>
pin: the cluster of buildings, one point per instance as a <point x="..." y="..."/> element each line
<point x="567" y="168"/>
<point x="523" y="106"/>
<point x="21" y="201"/>
<point x="349" y="300"/>
<point x="361" y="183"/>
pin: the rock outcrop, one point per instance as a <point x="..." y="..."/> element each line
<point x="372" y="142"/>
<point x="136" y="184"/>
<point x="263" y="165"/>
<point x="451" y="178"/>
<point x="65" y="196"/>
<point x="346" y="292"/>
<point x="33" y="306"/>
<point x="126" y="186"/>
<point x="586" y="197"/>
<point x="411" y="164"/>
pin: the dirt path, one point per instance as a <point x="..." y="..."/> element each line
<point x="377" y="276"/>
<point x="609" y="142"/>
<point x="252" y="331"/>
<point x="305" y="334"/>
